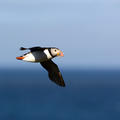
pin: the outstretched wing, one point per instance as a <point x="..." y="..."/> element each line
<point x="53" y="72"/>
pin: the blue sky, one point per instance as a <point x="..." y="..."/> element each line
<point x="87" y="31"/>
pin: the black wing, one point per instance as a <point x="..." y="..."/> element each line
<point x="33" y="49"/>
<point x="53" y="72"/>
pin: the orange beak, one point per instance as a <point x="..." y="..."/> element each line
<point x="20" y="58"/>
<point x="60" y="54"/>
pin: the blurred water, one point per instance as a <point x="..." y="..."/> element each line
<point x="30" y="95"/>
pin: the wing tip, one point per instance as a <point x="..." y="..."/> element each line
<point x="22" y="48"/>
<point x="63" y="85"/>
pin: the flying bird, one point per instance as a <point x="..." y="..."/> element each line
<point x="44" y="56"/>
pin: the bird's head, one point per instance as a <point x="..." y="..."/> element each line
<point x="56" y="52"/>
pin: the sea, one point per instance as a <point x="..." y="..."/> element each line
<point x="90" y="94"/>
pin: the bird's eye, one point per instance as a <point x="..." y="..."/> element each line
<point x="55" y="50"/>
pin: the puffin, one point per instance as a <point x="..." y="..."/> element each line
<point x="44" y="56"/>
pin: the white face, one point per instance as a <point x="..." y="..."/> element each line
<point x="56" y="52"/>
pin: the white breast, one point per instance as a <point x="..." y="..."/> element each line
<point x="37" y="56"/>
<point x="29" y="57"/>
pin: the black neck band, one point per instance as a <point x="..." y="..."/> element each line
<point x="49" y="49"/>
